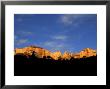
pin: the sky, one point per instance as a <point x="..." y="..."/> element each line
<point x="56" y="32"/>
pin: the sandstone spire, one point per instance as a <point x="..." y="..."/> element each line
<point x="41" y="52"/>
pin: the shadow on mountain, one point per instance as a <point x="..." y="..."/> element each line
<point x="46" y="66"/>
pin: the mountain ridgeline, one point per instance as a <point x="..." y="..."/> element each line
<point x="44" y="53"/>
<point x="37" y="61"/>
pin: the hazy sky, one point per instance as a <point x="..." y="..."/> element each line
<point x="64" y="32"/>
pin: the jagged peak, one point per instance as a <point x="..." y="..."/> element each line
<point x="57" y="52"/>
<point x="41" y="51"/>
<point x="66" y="52"/>
<point x="87" y="49"/>
<point x="31" y="46"/>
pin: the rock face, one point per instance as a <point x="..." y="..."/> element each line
<point x="87" y="52"/>
<point x="66" y="55"/>
<point x="56" y="55"/>
<point x="41" y="52"/>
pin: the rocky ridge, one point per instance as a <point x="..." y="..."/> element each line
<point x="41" y="52"/>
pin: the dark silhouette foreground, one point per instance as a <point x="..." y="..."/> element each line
<point x="46" y="66"/>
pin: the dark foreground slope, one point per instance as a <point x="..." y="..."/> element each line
<point x="33" y="66"/>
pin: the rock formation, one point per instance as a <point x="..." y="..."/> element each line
<point x="87" y="52"/>
<point x="41" y="52"/>
<point x="66" y="55"/>
<point x="56" y="55"/>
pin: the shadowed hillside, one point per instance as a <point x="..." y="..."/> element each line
<point x="33" y="65"/>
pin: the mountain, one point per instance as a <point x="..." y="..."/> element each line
<point x="56" y="55"/>
<point x="87" y="52"/>
<point x="66" y="55"/>
<point x="41" y="53"/>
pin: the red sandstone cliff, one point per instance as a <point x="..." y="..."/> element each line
<point x="41" y="52"/>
